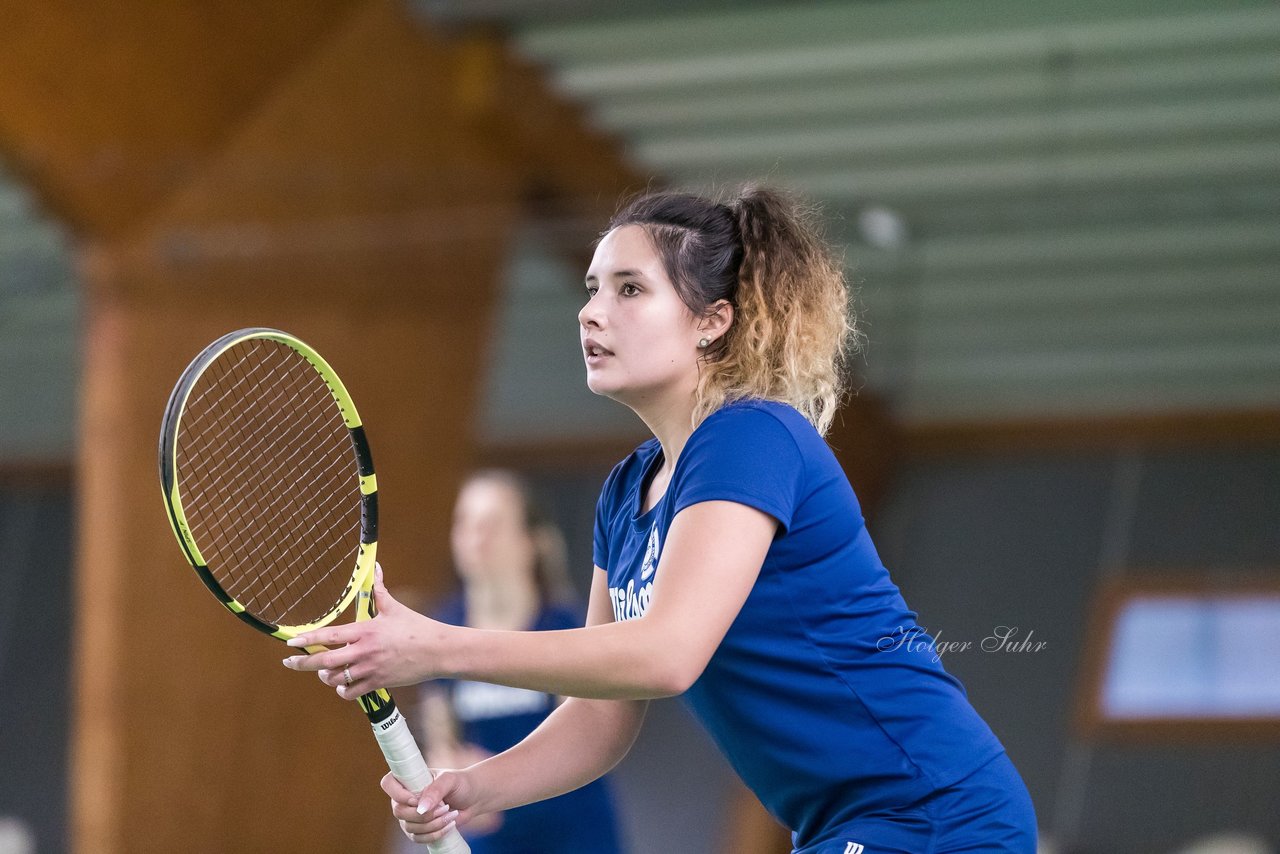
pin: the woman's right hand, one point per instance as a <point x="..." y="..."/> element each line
<point x="464" y="755"/>
<point x="449" y="801"/>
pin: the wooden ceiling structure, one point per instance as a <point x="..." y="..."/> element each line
<point x="336" y="168"/>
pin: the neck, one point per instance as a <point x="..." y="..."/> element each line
<point x="510" y="603"/>
<point x="670" y="419"/>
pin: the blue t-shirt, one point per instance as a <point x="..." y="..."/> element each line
<point x="822" y="717"/>
<point x="497" y="717"/>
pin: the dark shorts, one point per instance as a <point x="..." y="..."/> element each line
<point x="988" y="811"/>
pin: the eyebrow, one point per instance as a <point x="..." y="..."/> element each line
<point x="618" y="274"/>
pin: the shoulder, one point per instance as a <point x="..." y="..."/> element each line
<point x="758" y="409"/>
<point x="751" y="452"/>
<point x="763" y="424"/>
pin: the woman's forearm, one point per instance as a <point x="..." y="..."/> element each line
<point x="702" y="580"/>
<point x="612" y="661"/>
<point x="579" y="742"/>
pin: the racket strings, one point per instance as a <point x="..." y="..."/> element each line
<point x="273" y="482"/>
<point x="291" y="479"/>
<point x="247" y="454"/>
<point x="230" y="434"/>
<point x="294" y="550"/>
<point x="277" y="480"/>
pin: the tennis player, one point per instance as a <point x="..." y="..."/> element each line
<point x="733" y="567"/>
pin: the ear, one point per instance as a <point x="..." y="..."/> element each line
<point x="716" y="320"/>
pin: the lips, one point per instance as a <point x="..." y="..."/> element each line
<point x="593" y="350"/>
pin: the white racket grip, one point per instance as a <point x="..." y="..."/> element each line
<point x="407" y="764"/>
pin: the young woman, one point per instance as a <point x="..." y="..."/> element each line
<point x="511" y="563"/>
<point x="733" y="567"/>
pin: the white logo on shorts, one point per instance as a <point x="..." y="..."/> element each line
<point x="853" y="848"/>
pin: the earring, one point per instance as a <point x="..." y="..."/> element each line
<point x="704" y="343"/>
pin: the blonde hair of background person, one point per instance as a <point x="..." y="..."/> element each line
<point x="732" y="566"/>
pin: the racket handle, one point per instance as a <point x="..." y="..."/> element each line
<point x="406" y="763"/>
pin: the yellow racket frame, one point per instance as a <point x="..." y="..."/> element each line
<point x="393" y="735"/>
<point x="361" y="583"/>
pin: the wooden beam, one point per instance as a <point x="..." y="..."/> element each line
<point x="106" y="108"/>
<point x="579" y="174"/>
<point x="868" y="444"/>
<point x="513" y="107"/>
<point x="173" y="695"/>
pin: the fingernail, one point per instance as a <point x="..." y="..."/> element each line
<point x="422" y="807"/>
<point x="288" y="662"/>
<point x="441" y="810"/>
<point x="452" y="816"/>
<point x="296" y="642"/>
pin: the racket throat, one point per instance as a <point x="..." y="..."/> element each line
<point x="378" y="706"/>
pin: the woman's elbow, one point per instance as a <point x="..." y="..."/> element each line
<point x="668" y="661"/>
<point x="675" y="675"/>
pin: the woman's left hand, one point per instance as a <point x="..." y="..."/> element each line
<point x="392" y="649"/>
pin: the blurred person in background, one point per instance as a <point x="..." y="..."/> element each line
<point x="513" y="571"/>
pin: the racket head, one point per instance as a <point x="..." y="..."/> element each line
<point x="266" y="476"/>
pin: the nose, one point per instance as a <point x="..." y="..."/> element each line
<point x="591" y="315"/>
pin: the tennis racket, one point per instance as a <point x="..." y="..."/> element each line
<point x="269" y="486"/>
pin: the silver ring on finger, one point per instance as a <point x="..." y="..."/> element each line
<point x="346" y="674"/>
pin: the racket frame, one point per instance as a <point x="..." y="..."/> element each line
<point x="171" y="425"/>
<point x="397" y="743"/>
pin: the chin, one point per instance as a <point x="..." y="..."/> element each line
<point x="599" y="385"/>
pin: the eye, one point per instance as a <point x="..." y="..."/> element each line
<point x="630" y="289"/>
<point x="591" y="290"/>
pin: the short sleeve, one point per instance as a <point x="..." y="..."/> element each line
<point x="600" y="533"/>
<point x="746" y="455"/>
